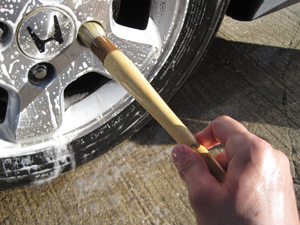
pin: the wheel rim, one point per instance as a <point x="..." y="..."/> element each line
<point x="50" y="116"/>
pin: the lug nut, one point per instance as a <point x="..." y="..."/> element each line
<point x="42" y="74"/>
<point x="39" y="71"/>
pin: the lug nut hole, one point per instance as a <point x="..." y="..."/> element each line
<point x="3" y="104"/>
<point x="5" y="35"/>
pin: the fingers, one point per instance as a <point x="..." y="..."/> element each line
<point x="228" y="132"/>
<point x="218" y="131"/>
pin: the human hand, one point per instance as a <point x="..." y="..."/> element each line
<point x="257" y="188"/>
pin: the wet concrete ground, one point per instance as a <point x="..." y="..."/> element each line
<point x="251" y="73"/>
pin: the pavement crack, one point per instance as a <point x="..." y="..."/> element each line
<point x="285" y="106"/>
<point x="295" y="37"/>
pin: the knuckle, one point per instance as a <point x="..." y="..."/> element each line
<point x="259" y="146"/>
<point x="252" y="148"/>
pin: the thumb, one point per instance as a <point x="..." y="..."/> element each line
<point x="191" y="167"/>
<point x="203" y="188"/>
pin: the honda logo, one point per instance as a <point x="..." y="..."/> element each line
<point x="45" y="33"/>
<point x="40" y="44"/>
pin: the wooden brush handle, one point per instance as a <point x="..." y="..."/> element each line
<point x="126" y="73"/>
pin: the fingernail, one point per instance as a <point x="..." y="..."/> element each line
<point x="178" y="153"/>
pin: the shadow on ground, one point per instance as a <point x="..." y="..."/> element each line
<point x="251" y="83"/>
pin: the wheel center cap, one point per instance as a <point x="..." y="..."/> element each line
<point x="45" y="32"/>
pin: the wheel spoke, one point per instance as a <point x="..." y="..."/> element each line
<point x="41" y="114"/>
<point x="149" y="36"/>
<point x="140" y="46"/>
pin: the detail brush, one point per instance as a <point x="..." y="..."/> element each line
<point x="92" y="35"/>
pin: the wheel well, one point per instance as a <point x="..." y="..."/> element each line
<point x="247" y="10"/>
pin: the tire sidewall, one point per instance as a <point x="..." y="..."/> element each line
<point x="201" y="22"/>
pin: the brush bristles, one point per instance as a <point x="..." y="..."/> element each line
<point x="89" y="31"/>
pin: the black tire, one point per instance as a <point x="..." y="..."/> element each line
<point x="201" y="23"/>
